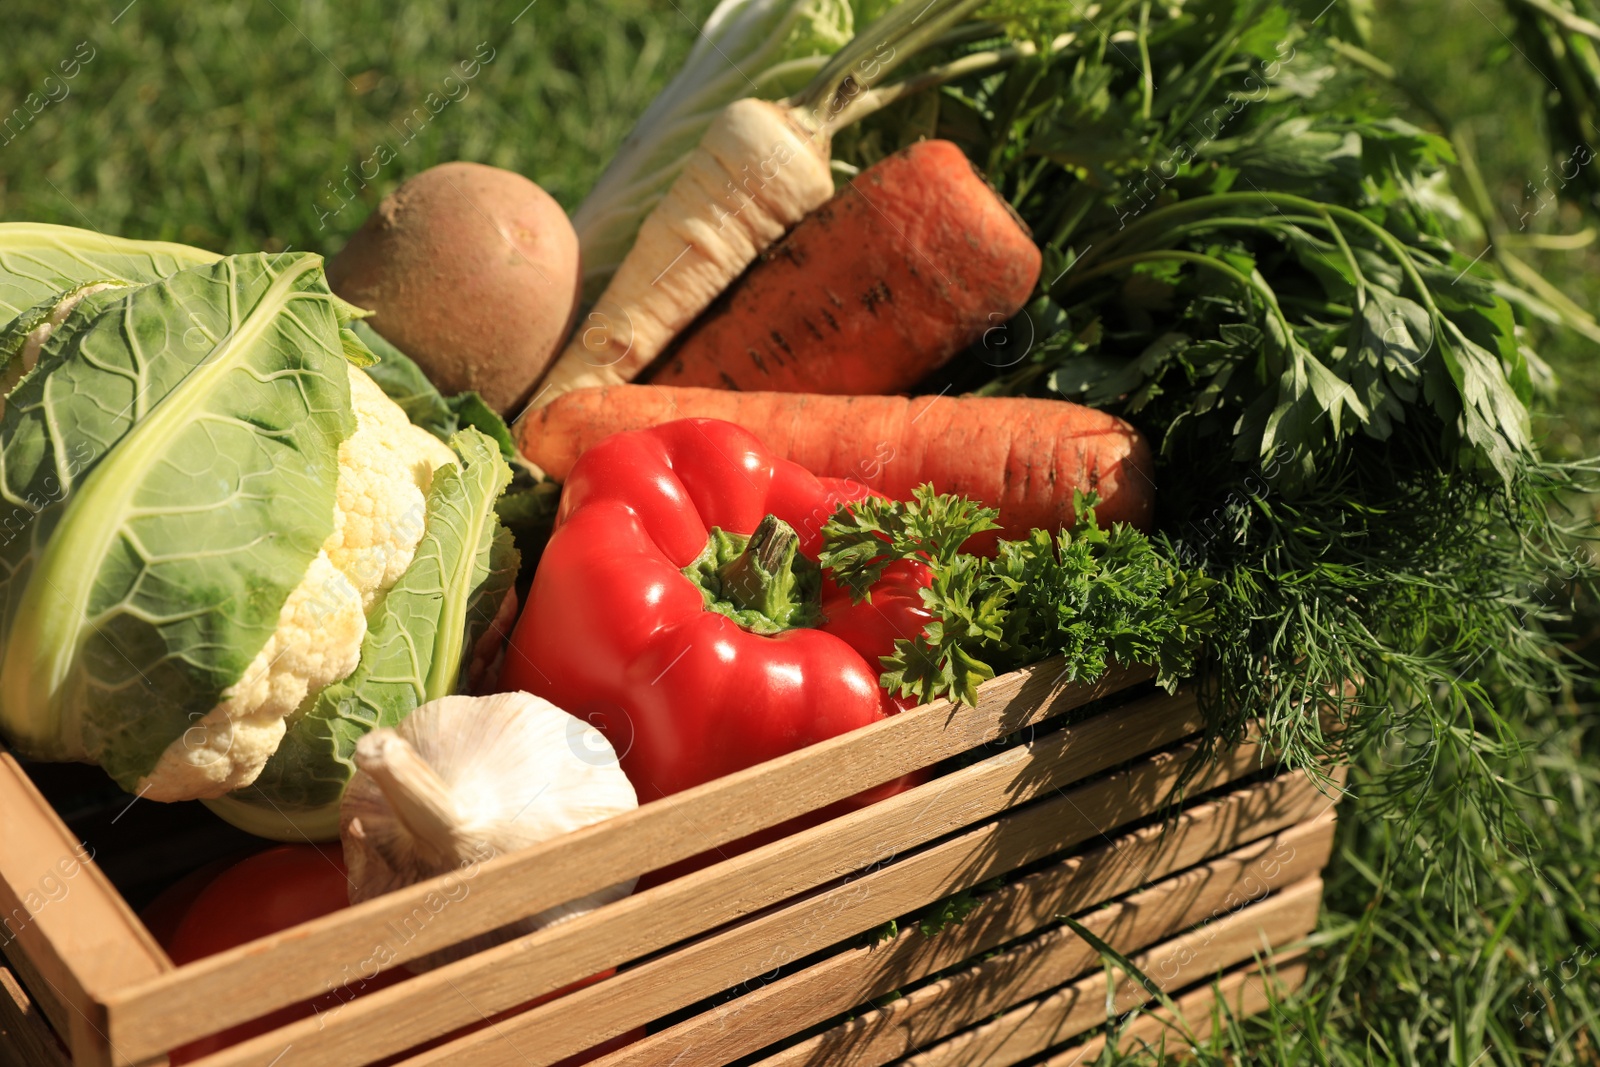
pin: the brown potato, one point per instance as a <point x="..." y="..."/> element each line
<point x="473" y="272"/>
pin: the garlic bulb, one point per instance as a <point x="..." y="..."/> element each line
<point x="464" y="779"/>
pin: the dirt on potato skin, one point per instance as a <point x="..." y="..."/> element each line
<point x="473" y="272"/>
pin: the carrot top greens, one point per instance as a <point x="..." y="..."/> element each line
<point x="1250" y="255"/>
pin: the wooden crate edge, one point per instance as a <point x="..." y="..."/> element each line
<point x="79" y="940"/>
<point x="1227" y="824"/>
<point x="1039" y="1024"/>
<point x="569" y="867"/>
<point x="255" y="978"/>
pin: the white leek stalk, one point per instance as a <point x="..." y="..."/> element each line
<point x="761" y="48"/>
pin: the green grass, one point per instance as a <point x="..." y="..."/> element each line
<point x="1514" y="977"/>
<point x="231" y="125"/>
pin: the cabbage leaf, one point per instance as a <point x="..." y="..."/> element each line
<point x="39" y="262"/>
<point x="402" y="381"/>
<point x="505" y="560"/>
<point x="167" y="474"/>
<point x="527" y="508"/>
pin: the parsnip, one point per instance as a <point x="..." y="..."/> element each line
<point x="756" y="173"/>
<point x="759" y="169"/>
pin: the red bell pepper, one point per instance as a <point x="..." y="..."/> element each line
<point x="679" y="607"/>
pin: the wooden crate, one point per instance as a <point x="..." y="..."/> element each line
<point x="1059" y="790"/>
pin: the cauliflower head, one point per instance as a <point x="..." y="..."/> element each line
<point x="385" y="469"/>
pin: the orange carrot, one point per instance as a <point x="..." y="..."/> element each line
<point x="1021" y="455"/>
<point x="905" y="267"/>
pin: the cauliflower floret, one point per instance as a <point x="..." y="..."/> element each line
<point x="317" y="642"/>
<point x="375" y="527"/>
<point x="385" y="469"/>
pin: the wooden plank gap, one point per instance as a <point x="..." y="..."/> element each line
<point x="839" y="983"/>
<point x="1243" y="992"/>
<point x="1059" y="1016"/>
<point x="1206" y="898"/>
<point x="757" y="946"/>
<point x="26" y="1039"/>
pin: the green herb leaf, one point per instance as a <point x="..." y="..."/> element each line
<point x="1090" y="595"/>
<point x="861" y="540"/>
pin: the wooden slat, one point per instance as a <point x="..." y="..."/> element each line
<point x="396" y="1018"/>
<point x="26" y="1040"/>
<point x="1244" y="991"/>
<point x="55" y="1009"/>
<point x="841" y="982"/>
<point x="1069" y="1011"/>
<point x="81" y="940"/>
<point x="744" y="952"/>
<point x="1034" y="967"/>
<point x="272" y="972"/>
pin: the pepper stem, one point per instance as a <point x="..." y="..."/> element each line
<point x="419" y="799"/>
<point x="761" y="577"/>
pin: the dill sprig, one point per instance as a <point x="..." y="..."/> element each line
<point x="1251" y="256"/>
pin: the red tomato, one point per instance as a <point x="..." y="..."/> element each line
<point x="163" y="914"/>
<point x="260" y="895"/>
<point x="272" y="891"/>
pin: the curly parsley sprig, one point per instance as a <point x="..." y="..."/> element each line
<point x="1089" y="595"/>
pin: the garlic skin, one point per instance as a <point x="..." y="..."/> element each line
<point x="463" y="779"/>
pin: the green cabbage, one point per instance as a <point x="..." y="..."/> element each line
<point x="167" y="475"/>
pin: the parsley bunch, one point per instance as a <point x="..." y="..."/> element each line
<point x="1089" y="595"/>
